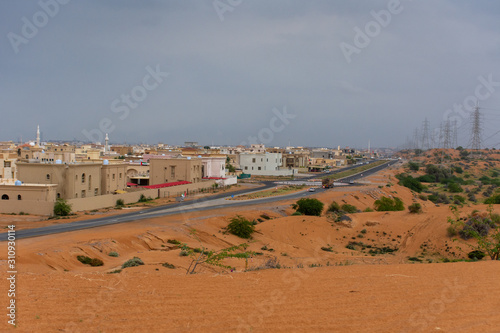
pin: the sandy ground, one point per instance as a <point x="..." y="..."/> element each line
<point x="314" y="290"/>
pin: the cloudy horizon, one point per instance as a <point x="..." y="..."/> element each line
<point x="226" y="72"/>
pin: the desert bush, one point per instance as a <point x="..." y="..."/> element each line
<point x="113" y="254"/>
<point x="476" y="255"/>
<point x="167" y="265"/>
<point x="493" y="200"/>
<point x="135" y="261"/>
<point x="90" y="261"/>
<point x="143" y="198"/>
<point x="334" y="207"/>
<point x="120" y="203"/>
<point x="309" y="206"/>
<point x="451" y="231"/>
<point x="327" y="249"/>
<point x="476" y="225"/>
<point x="422" y="197"/>
<point x="62" y="208"/>
<point x="350" y="209"/>
<point x="413" y="166"/>
<point x="296" y="213"/>
<point x="241" y="227"/>
<point x="415" y="208"/>
<point x="385" y="204"/>
<point x="411" y="183"/>
<point x="455" y="188"/>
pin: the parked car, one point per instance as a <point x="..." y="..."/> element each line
<point x="311" y="189"/>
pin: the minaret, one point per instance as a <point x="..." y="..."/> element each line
<point x="106" y="144"/>
<point x="38" y="135"/>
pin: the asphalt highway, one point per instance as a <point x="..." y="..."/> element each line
<point x="217" y="201"/>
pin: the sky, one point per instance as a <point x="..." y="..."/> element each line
<point x="317" y="73"/>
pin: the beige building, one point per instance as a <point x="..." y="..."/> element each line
<point x="27" y="198"/>
<point x="77" y="180"/>
<point x="167" y="170"/>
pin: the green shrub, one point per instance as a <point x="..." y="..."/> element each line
<point x="415" y="208"/>
<point x="90" y="261"/>
<point x="241" y="227"/>
<point x="327" y="249"/>
<point x="368" y="209"/>
<point x="309" y="206"/>
<point x="296" y="213"/>
<point x="84" y="259"/>
<point x="334" y="207"/>
<point x="144" y="199"/>
<point x="455" y="188"/>
<point x="173" y="241"/>
<point x="385" y="204"/>
<point x="167" y="265"/>
<point x="451" y="231"/>
<point x="493" y="200"/>
<point x="62" y="208"/>
<point x="413" y="166"/>
<point x="412" y="183"/>
<point x="120" y="203"/>
<point x="349" y="208"/>
<point x="135" y="261"/>
<point x="476" y="255"/>
<point x="422" y="197"/>
<point x="113" y="254"/>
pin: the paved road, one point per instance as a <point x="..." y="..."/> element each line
<point x="206" y="203"/>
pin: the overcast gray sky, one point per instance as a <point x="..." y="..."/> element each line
<point x="313" y="73"/>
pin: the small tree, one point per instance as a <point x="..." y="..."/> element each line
<point x="485" y="230"/>
<point x="309" y="206"/>
<point x="214" y="258"/>
<point x="62" y="208"/>
<point x="241" y="227"/>
<point x="119" y="203"/>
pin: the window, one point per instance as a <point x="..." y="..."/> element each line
<point x="258" y="168"/>
<point x="6" y="164"/>
<point x="120" y="175"/>
<point x="113" y="176"/>
<point x="5" y="197"/>
<point x="83" y="178"/>
<point x="48" y="177"/>
<point x="90" y="182"/>
<point x="253" y="160"/>
<point x="172" y="172"/>
<point x="18" y="197"/>
<point x="246" y="168"/>
<point x="27" y="156"/>
<point x="96" y="191"/>
<point x="58" y="195"/>
<point x="83" y="193"/>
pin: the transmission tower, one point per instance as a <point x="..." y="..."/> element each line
<point x="476" y="129"/>
<point x="425" y="135"/>
<point x="447" y="135"/>
<point x="416" y="139"/>
<point x="455" y="134"/>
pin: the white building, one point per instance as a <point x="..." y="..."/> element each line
<point x="264" y="164"/>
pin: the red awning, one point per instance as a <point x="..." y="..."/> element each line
<point x="167" y="184"/>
